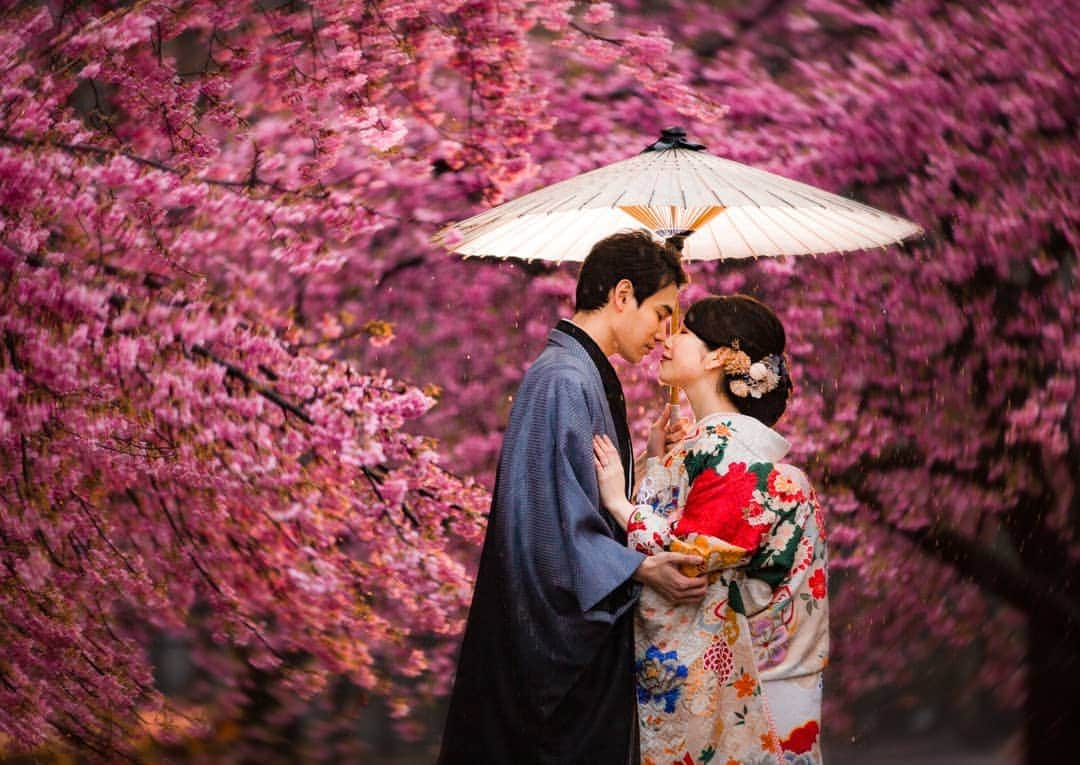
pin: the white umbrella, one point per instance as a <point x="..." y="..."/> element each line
<point x="675" y="188"/>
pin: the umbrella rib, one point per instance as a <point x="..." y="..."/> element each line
<point x="746" y="176"/>
<point x="681" y="189"/>
<point x="819" y="198"/>
<point x="855" y="225"/>
<point x="753" y="201"/>
<point x="716" y="240"/>
<point x="819" y="203"/>
<point x="837" y="228"/>
<point x="766" y="212"/>
<point x="778" y="198"/>
<point x="807" y="192"/>
<point x="841" y="204"/>
<point x="643" y="215"/>
<point x="535" y="244"/>
<point x="709" y="186"/>
<point x="645" y="171"/>
<point x="749" y="247"/>
<point x="834" y="232"/>
<point x="578" y="237"/>
<point x="764" y="232"/>
<point x="495" y="238"/>
<point x="707" y="214"/>
<point x="585" y="204"/>
<point x="661" y="157"/>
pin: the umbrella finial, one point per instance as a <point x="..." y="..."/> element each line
<point x="675" y="239"/>
<point x="673" y="138"/>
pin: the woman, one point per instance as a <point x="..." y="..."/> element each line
<point x="736" y="678"/>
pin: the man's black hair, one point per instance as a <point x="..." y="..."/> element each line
<point x="650" y="266"/>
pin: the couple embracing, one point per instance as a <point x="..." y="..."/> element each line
<point x="681" y="620"/>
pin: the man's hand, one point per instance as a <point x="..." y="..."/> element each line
<point x="661" y="572"/>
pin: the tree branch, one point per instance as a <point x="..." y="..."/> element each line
<point x="1025" y="590"/>
<point x="250" y="182"/>
<point x="1029" y="591"/>
<point x="268" y="393"/>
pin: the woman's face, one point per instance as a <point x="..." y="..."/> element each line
<point x="684" y="358"/>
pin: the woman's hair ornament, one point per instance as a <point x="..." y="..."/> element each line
<point x="754" y="379"/>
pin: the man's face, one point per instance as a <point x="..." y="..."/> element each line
<point x="642" y="326"/>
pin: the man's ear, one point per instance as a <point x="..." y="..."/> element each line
<point x="622" y="294"/>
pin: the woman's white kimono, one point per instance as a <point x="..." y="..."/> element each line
<point x="736" y="678"/>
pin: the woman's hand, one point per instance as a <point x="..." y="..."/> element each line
<point x="665" y="434"/>
<point x="611" y="479"/>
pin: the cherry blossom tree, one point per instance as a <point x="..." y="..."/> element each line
<point x="946" y="419"/>
<point x="196" y="198"/>
<point x="937" y="390"/>
<point x="229" y="349"/>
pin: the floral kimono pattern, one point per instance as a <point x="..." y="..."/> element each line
<point x="735" y="679"/>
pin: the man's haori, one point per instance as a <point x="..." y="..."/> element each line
<point x="545" y="671"/>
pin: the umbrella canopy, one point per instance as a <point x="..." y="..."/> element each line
<point x="675" y="188"/>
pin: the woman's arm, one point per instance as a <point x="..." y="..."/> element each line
<point x="793" y="558"/>
<point x="611" y="480"/>
<point x="647" y="532"/>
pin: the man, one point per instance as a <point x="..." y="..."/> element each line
<point x="546" y="667"/>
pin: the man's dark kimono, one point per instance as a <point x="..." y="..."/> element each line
<point x="546" y="667"/>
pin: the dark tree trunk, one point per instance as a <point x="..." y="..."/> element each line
<point x="1053" y="710"/>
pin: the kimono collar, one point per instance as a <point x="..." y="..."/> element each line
<point x="603" y="364"/>
<point x="613" y="392"/>
<point x="752" y="434"/>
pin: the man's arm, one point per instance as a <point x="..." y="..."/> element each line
<point x="597" y="565"/>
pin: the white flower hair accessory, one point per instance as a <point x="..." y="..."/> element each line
<point x="754" y="379"/>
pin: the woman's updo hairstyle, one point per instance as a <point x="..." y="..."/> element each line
<point x="748" y="325"/>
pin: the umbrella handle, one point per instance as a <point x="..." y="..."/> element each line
<point x="676" y="243"/>
<point x="673" y="399"/>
